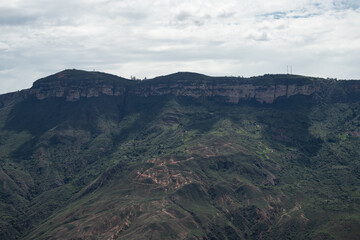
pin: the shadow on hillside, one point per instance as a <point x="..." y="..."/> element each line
<point x="285" y="122"/>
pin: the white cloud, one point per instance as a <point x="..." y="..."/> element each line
<point x="149" y="38"/>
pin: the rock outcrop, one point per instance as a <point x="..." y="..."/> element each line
<point x="75" y="84"/>
<point x="232" y="92"/>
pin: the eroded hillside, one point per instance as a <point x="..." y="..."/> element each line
<point x="185" y="156"/>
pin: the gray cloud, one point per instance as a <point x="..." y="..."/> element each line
<point x="261" y="36"/>
<point x="10" y="16"/>
<point x="183" y="16"/>
<point x="226" y="14"/>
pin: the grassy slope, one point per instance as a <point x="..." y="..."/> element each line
<point x="150" y="167"/>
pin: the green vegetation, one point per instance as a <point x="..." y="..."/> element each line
<point x="170" y="166"/>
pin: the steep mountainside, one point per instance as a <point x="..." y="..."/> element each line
<point x="73" y="85"/>
<point x="88" y="155"/>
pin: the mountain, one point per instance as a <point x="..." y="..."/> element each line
<point x="89" y="155"/>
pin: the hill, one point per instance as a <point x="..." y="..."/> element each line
<point x="89" y="155"/>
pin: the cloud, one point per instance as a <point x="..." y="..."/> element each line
<point x="226" y="14"/>
<point x="149" y="38"/>
<point x="259" y="36"/>
<point x="182" y="16"/>
<point x="9" y="16"/>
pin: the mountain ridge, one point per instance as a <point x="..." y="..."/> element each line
<point x="76" y="84"/>
<point x="184" y="156"/>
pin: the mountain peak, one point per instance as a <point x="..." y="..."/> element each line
<point x="184" y="75"/>
<point x="73" y="84"/>
<point x="74" y="75"/>
<point x="177" y="156"/>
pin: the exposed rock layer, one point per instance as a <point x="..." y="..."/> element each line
<point x="75" y="84"/>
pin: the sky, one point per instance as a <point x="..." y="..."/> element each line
<point x="150" y="38"/>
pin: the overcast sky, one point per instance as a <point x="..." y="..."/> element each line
<point x="148" y="38"/>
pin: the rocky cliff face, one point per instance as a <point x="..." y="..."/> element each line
<point x="74" y="84"/>
<point x="74" y="93"/>
<point x="262" y="89"/>
<point x="233" y="92"/>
